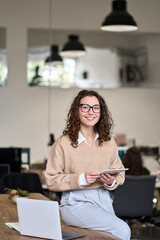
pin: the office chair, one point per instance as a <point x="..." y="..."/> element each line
<point x="25" y="181"/>
<point x="135" y="197"/>
<point x="4" y="168"/>
<point x="134" y="201"/>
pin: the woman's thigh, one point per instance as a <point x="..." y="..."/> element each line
<point x="88" y="215"/>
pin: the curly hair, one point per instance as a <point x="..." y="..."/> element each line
<point x="103" y="127"/>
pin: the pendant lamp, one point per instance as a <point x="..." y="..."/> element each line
<point x="73" y="48"/>
<point x="51" y="139"/>
<point x="54" y="58"/>
<point x="119" y="20"/>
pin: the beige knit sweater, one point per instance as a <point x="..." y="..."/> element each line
<point x="66" y="163"/>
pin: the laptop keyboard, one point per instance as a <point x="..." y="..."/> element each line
<point x="66" y="235"/>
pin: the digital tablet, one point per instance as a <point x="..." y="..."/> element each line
<point x="113" y="171"/>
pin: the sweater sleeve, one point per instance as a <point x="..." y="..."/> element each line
<point x="55" y="177"/>
<point x="116" y="163"/>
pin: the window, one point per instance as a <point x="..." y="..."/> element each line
<point x="39" y="74"/>
<point x="3" y="67"/>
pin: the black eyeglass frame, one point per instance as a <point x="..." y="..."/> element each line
<point x="90" y="107"/>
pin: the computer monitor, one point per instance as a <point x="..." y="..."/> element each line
<point x="122" y="150"/>
<point x="15" y="157"/>
<point x="25" y="156"/>
<point x="150" y="151"/>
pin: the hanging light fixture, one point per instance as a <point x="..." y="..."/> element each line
<point x="73" y="48"/>
<point x="119" y="20"/>
<point x="54" y="58"/>
<point x="51" y="139"/>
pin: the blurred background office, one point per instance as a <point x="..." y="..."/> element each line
<point x="35" y="96"/>
<point x="31" y="113"/>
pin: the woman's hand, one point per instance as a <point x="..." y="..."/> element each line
<point x="91" y="177"/>
<point x="107" y="178"/>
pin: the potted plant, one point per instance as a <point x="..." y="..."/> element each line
<point x="14" y="193"/>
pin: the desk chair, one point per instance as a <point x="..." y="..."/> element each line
<point x="4" y="168"/>
<point x="134" y="199"/>
<point x="25" y="181"/>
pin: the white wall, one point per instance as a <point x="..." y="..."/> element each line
<point x="24" y="110"/>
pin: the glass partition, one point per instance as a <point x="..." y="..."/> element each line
<point x="112" y="60"/>
<point x="3" y="58"/>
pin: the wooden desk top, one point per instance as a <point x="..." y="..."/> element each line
<point x="8" y="213"/>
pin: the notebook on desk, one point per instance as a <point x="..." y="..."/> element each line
<point x="41" y="218"/>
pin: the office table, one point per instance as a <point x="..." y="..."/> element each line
<point x="8" y="213"/>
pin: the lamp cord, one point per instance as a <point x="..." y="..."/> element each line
<point x="49" y="84"/>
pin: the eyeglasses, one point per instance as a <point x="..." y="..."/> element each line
<point x="86" y="108"/>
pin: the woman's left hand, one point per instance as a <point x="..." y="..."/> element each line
<point x="107" y="178"/>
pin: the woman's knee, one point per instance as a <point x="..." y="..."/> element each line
<point x="125" y="232"/>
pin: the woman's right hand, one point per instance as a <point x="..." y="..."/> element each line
<point x="91" y="177"/>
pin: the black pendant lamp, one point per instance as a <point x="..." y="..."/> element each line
<point x="73" y="48"/>
<point x="54" y="58"/>
<point x="51" y="139"/>
<point x="119" y="20"/>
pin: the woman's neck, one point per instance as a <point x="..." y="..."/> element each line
<point x="89" y="134"/>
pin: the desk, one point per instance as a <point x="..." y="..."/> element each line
<point x="8" y="213"/>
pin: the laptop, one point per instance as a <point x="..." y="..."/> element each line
<point x="41" y="218"/>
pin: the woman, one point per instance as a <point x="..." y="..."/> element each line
<point x="132" y="159"/>
<point x="76" y="159"/>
